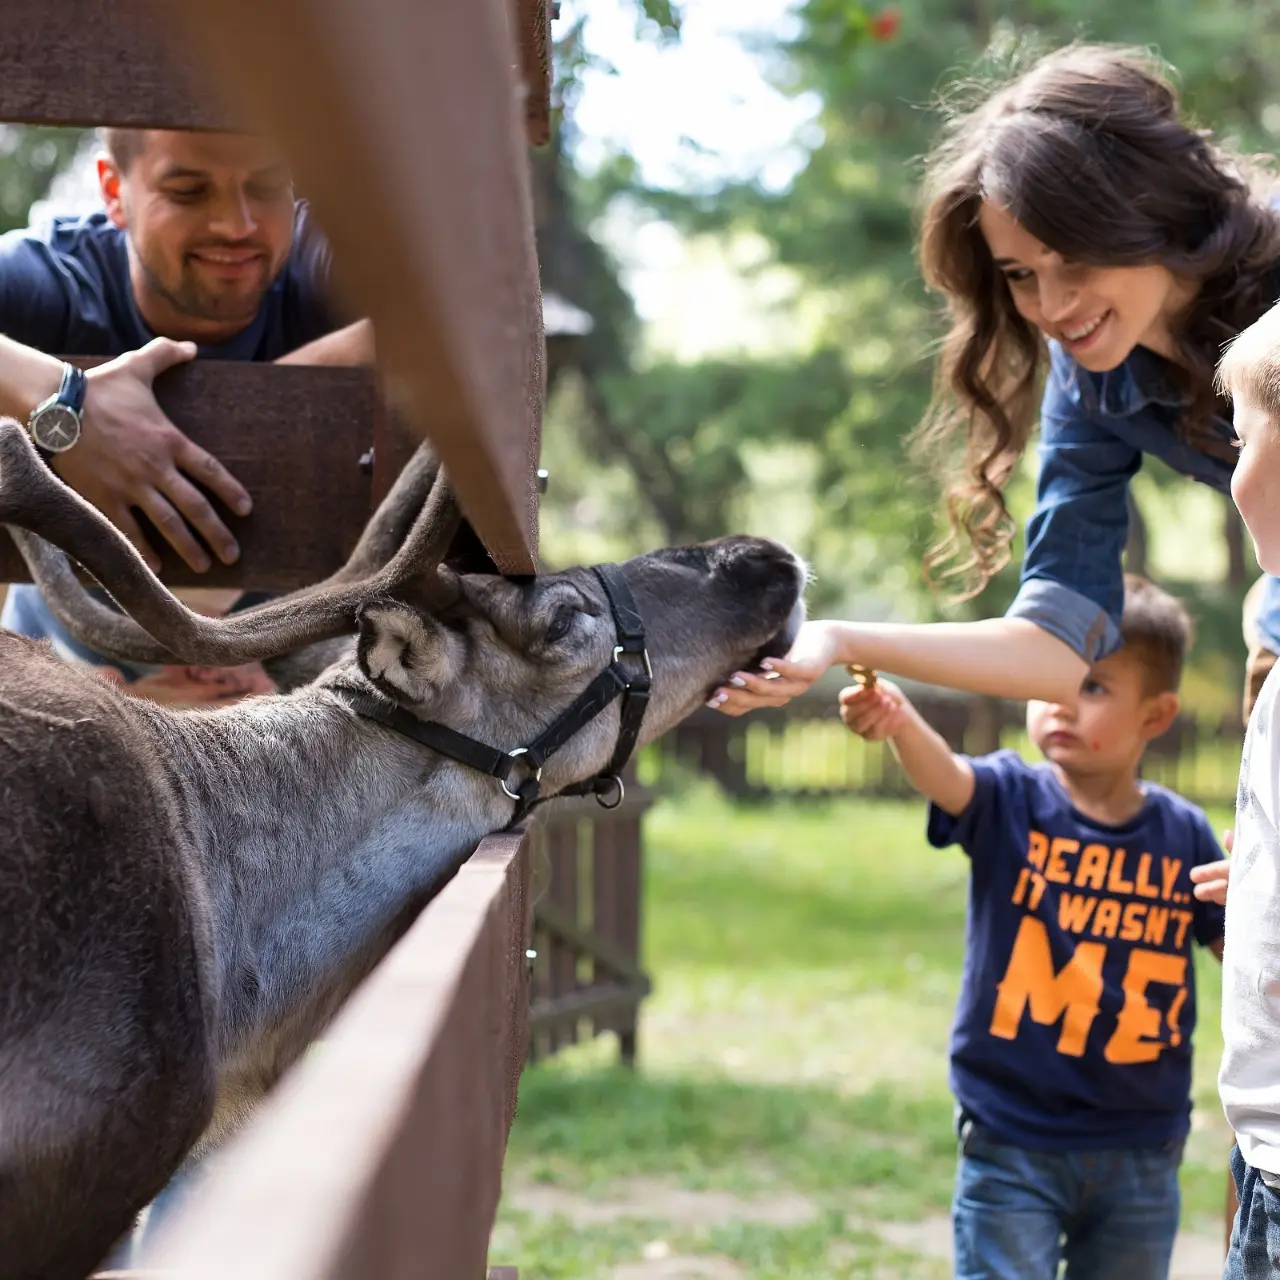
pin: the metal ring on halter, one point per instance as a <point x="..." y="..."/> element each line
<point x="619" y="650"/>
<point x="535" y="772"/>
<point x="621" y="796"/>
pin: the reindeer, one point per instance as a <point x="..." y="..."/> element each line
<point x="187" y="897"/>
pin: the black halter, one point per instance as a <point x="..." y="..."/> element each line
<point x="519" y="770"/>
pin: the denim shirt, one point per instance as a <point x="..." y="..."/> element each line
<point x="1094" y="430"/>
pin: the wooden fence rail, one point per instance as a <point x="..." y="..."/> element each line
<point x="381" y="1154"/>
<point x="802" y="751"/>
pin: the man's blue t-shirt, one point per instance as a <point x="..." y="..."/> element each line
<point x="1078" y="1000"/>
<point x="67" y="292"/>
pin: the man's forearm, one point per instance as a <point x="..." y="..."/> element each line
<point x="350" y="346"/>
<point x="932" y="768"/>
<point x="27" y="377"/>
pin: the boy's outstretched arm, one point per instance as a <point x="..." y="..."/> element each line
<point x="884" y="713"/>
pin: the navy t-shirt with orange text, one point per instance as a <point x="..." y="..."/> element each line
<point x="1078" y="1000"/>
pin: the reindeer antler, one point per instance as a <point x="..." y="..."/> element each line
<point x="160" y="628"/>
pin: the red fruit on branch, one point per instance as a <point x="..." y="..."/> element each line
<point x="884" y="26"/>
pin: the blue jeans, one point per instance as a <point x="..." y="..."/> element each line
<point x="1255" y="1235"/>
<point x="1017" y="1213"/>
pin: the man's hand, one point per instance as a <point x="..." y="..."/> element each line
<point x="131" y="456"/>
<point x="1210" y="878"/>
<point x="876" y="714"/>
<point x="815" y="650"/>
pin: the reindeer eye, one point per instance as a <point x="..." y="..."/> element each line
<point x="560" y="625"/>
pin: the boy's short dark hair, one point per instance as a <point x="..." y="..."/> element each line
<point x="1157" y="630"/>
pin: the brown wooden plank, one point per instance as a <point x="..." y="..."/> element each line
<point x="611" y="960"/>
<point x="628" y="847"/>
<point x="131" y="71"/>
<point x="404" y="128"/>
<point x="88" y="62"/>
<point x="561" y="899"/>
<point x="294" y="436"/>
<point x="534" y="19"/>
<point x="381" y="1154"/>
<point x="604" y="882"/>
<point x="603" y="1004"/>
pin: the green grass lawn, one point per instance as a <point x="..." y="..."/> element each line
<point x="791" y="1097"/>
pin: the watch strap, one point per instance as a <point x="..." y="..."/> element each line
<point x="71" y="391"/>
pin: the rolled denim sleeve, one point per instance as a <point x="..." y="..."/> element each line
<point x="1072" y="574"/>
<point x="1268" y="619"/>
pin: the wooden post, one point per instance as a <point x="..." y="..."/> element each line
<point x="404" y="125"/>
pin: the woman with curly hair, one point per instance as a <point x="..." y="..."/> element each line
<point x="1097" y="250"/>
<point x="1089" y="240"/>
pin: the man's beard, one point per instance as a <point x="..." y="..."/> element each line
<point x="192" y="299"/>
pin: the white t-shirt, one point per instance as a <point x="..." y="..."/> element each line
<point x="1249" y="1078"/>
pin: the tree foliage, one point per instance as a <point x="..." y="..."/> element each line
<point x="844" y="229"/>
<point x="31" y="158"/>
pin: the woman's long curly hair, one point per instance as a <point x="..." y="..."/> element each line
<point x="1087" y="150"/>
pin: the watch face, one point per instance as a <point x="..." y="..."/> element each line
<point x="55" y="428"/>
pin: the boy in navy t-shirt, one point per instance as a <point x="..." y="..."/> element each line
<point x="1071" y="1049"/>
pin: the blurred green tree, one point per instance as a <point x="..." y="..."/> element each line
<point x="834" y="413"/>
<point x="31" y="158"/>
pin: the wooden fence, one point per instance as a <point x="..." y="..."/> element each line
<point x="407" y="125"/>
<point x="802" y="751"/>
<point x="587" y="976"/>
<point x="380" y="1156"/>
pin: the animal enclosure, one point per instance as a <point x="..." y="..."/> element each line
<point x="382" y="1155"/>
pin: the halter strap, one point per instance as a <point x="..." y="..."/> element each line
<point x="632" y="682"/>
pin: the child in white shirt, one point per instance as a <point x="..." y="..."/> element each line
<point x="1249" y="1078"/>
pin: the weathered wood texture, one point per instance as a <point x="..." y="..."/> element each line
<point x="295" y="437"/>
<point x="131" y="72"/>
<point x="535" y="58"/>
<point x="381" y="1154"/>
<point x="406" y="135"/>
<point x="88" y="62"/>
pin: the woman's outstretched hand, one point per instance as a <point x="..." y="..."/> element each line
<point x="816" y="649"/>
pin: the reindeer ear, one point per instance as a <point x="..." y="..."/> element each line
<point x="410" y="652"/>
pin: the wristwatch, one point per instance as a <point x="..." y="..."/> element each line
<point x="54" y="423"/>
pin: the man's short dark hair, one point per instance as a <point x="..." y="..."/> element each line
<point x="124" y="146"/>
<point x="1158" y="631"/>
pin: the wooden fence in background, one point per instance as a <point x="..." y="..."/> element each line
<point x="587" y="976"/>
<point x="802" y="751"/>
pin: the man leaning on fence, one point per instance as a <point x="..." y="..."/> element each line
<point x="200" y="250"/>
